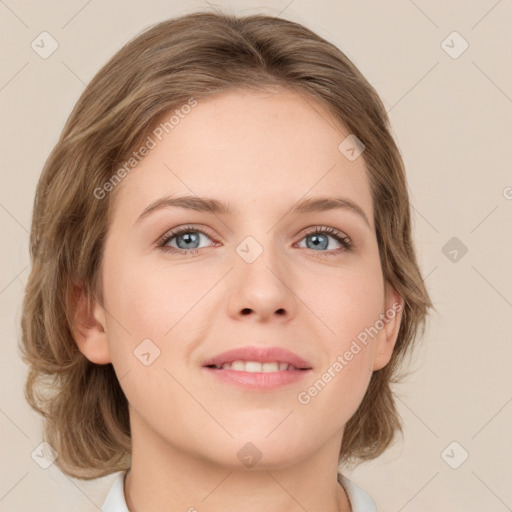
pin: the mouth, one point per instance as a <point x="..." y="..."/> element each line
<point x="258" y="359"/>
<point x="257" y="368"/>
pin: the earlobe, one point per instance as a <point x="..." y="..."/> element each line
<point x="89" y="326"/>
<point x="388" y="335"/>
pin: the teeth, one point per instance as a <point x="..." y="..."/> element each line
<point x="238" y="366"/>
<point x="257" y="367"/>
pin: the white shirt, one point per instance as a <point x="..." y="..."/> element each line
<point x="360" y="501"/>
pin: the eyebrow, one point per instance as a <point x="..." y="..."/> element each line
<point x="203" y="204"/>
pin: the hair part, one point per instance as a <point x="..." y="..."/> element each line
<point x="85" y="411"/>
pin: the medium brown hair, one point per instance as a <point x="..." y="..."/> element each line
<point x="85" y="411"/>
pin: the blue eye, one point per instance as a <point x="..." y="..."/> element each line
<point x="187" y="239"/>
<point x="320" y="239"/>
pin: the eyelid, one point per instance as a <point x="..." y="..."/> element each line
<point x="323" y="229"/>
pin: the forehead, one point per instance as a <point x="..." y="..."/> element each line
<point x="244" y="147"/>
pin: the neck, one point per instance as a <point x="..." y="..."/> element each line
<point x="164" y="477"/>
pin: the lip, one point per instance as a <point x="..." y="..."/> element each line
<point x="260" y="354"/>
<point x="258" y="381"/>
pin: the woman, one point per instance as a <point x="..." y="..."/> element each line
<point x="224" y="282"/>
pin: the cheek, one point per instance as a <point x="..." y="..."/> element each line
<point x="150" y="298"/>
<point x="146" y="313"/>
<point x="154" y="308"/>
<point x="339" y="386"/>
<point x="347" y="301"/>
<point x="349" y="304"/>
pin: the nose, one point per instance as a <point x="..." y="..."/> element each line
<point x="261" y="285"/>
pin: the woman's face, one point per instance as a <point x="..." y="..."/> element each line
<point x="263" y="274"/>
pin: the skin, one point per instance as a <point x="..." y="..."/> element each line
<point x="261" y="153"/>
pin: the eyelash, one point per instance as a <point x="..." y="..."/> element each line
<point x="334" y="233"/>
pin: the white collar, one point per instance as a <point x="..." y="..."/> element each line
<point x="360" y="500"/>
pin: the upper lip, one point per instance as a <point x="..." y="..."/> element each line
<point x="261" y="354"/>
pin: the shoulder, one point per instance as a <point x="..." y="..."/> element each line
<point x="115" y="501"/>
<point x="360" y="500"/>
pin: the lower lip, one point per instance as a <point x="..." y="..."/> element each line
<point x="258" y="380"/>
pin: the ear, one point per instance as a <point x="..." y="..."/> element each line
<point x="387" y="336"/>
<point x="89" y="326"/>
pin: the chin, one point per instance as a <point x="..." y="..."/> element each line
<point x="261" y="451"/>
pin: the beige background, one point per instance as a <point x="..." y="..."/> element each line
<point x="452" y="120"/>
